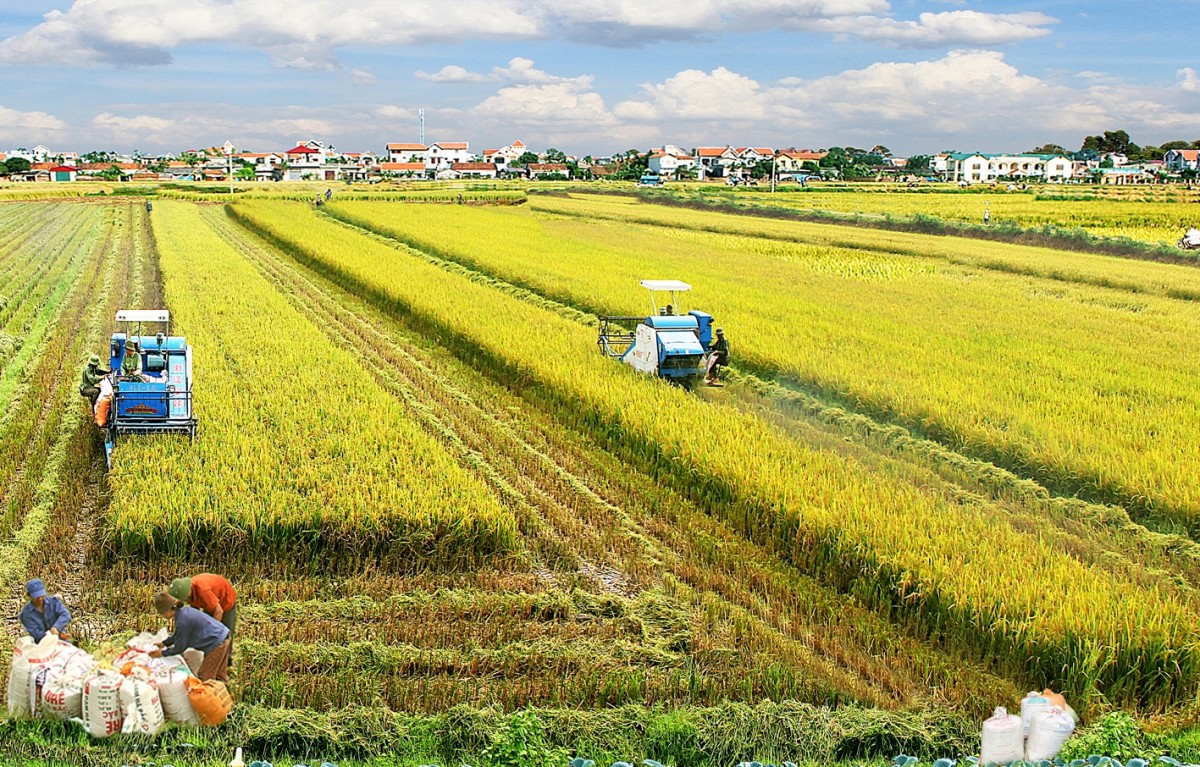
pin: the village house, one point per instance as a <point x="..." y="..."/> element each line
<point x="446" y="153"/>
<point x="469" y="170"/>
<point x="793" y="160"/>
<point x="669" y="160"/>
<point x="505" y="156"/>
<point x="402" y="169"/>
<point x="979" y="167"/>
<point x="407" y="152"/>
<point x="1177" y="160"/>
<point x="715" y="161"/>
<point x="542" y="169"/>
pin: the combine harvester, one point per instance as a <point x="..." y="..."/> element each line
<point x="667" y="344"/>
<point x="159" y="399"/>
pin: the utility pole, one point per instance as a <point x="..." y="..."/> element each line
<point x="229" y="156"/>
<point x="421" y="114"/>
<point x="773" y="156"/>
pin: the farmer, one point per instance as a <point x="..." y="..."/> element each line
<point x="89" y="380"/>
<point x="194" y="630"/>
<point x="44" y="614"/>
<point x="131" y="363"/>
<point x="718" y="357"/>
<point x="212" y="594"/>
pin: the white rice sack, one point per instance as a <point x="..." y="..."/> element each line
<point x="140" y="704"/>
<point x="102" y="712"/>
<point x="33" y="663"/>
<point x="173" y="693"/>
<point x="18" y="679"/>
<point x="62" y="696"/>
<point x="145" y="641"/>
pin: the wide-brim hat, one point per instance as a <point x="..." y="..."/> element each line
<point x="164" y="601"/>
<point x="94" y="359"/>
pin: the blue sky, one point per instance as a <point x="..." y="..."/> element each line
<point x="596" y="76"/>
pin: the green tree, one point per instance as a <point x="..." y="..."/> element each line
<point x="18" y="165"/>
<point x="111" y="173"/>
<point x="1048" y="149"/>
<point x="555" y="155"/>
<point x="919" y="163"/>
<point x="527" y="157"/>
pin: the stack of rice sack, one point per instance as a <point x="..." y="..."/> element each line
<point x="129" y="692"/>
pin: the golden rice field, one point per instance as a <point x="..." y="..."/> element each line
<point x="1088" y="388"/>
<point x="1144" y="216"/>
<point x="814" y="508"/>
<point x="943" y="471"/>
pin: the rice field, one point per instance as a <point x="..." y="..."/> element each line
<point x="452" y="523"/>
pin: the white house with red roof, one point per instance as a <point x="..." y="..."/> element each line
<point x="443" y="154"/>
<point x="1182" y="159"/>
<point x="401" y="152"/>
<point x="669" y="159"/>
<point x="307" y="163"/>
<point x="505" y="156"/>
<point x="750" y="155"/>
<point x="715" y="160"/>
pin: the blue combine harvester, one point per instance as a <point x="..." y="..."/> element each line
<point x="667" y="343"/>
<point x="157" y="398"/>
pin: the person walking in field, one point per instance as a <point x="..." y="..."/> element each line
<point x="194" y="630"/>
<point x="89" y="380"/>
<point x="44" y="614"/>
<point x="212" y="594"/>
<point x="718" y="357"/>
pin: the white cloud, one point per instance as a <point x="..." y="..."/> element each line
<point x="949" y="28"/>
<point x="969" y="99"/>
<point x="306" y="34"/>
<point x="1187" y="80"/>
<point x="452" y="73"/>
<point x="362" y="77"/>
<point x="17" y="126"/>
<point x="720" y="95"/>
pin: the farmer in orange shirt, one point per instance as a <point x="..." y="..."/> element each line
<point x="212" y="594"/>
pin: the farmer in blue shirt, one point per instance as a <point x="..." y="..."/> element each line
<point x="44" y="615"/>
<point x="195" y="630"/>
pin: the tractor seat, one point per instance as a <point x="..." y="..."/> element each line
<point x="155" y="363"/>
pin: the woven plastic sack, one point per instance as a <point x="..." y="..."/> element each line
<point x="210" y="700"/>
<point x="173" y="693"/>
<point x="62" y="696"/>
<point x="102" y="712"/>
<point x="140" y="704"/>
<point x="33" y="663"/>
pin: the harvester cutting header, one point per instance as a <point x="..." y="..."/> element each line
<point x="668" y="343"/>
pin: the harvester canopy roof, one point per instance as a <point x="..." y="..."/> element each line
<point x="143" y="315"/>
<point x="671" y="285"/>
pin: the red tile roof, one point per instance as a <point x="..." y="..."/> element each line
<point x="406" y="147"/>
<point x="711" y="151"/>
<point x="402" y="166"/>
<point x="451" y="144"/>
<point x="472" y="166"/>
<point x="549" y="167"/>
<point x="301" y="149"/>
